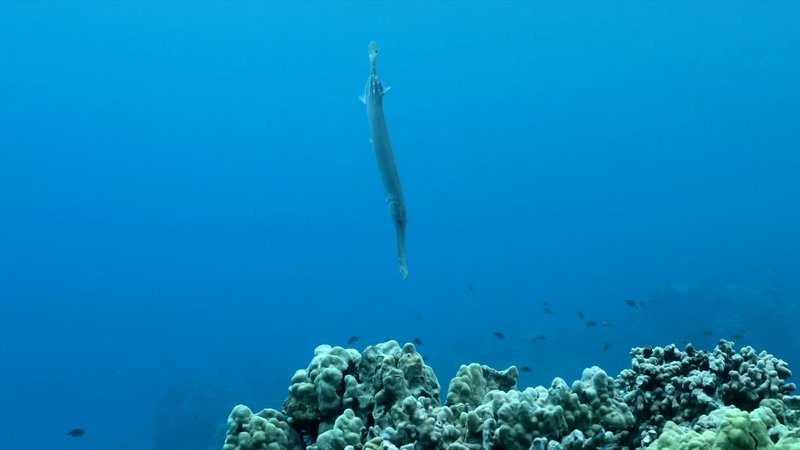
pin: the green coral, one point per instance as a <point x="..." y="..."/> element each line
<point x="393" y="374"/>
<point x="675" y="437"/>
<point x="596" y="389"/>
<point x="267" y="430"/>
<point x="347" y="430"/>
<point x="474" y="381"/>
<point x="513" y="420"/>
<point x="314" y="392"/>
<point x="737" y="430"/>
<point x="388" y="399"/>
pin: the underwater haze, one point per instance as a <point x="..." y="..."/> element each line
<point x="189" y="202"/>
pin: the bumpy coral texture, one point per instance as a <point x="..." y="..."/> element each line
<point x="267" y="430"/>
<point x="666" y="384"/>
<point x="388" y="399"/>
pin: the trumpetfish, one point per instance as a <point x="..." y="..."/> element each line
<point x="379" y="137"/>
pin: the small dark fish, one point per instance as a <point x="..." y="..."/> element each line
<point x="525" y="369"/>
<point x="540" y="337"/>
<point x="580" y="314"/>
<point x="607" y="324"/>
<point x="470" y="286"/>
<point x="631" y="303"/>
<point x="417" y="341"/>
<point x="353" y="339"/>
<point x="606" y="346"/>
<point x="591" y="323"/>
<point x="76" y="432"/>
<point x="419" y="317"/>
<point x="708" y="333"/>
<point x="499" y="335"/>
<point x="642" y="304"/>
<point x="544" y="303"/>
<point x="737" y="337"/>
<point x="548" y="310"/>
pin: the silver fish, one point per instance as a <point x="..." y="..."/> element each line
<point x="379" y="136"/>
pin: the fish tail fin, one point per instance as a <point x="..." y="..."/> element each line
<point x="401" y="253"/>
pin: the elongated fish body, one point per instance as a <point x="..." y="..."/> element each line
<point x="379" y="134"/>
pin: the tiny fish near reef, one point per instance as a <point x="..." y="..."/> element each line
<point x="76" y="432"/>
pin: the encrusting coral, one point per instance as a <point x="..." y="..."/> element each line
<point x="386" y="398"/>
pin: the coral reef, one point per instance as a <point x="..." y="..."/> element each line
<point x="388" y="399"/>
<point x="267" y="430"/>
<point x="666" y="384"/>
<point x="730" y="428"/>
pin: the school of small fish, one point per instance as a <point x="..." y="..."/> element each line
<point x="546" y="308"/>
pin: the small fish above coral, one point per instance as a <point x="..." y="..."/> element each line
<point x="353" y="339"/>
<point x="499" y="335"/>
<point x="76" y="432"/>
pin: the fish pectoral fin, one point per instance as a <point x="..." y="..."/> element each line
<point x="363" y="99"/>
<point x="386" y="90"/>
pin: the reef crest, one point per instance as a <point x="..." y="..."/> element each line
<point x="386" y="398"/>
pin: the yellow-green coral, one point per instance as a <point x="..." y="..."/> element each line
<point x="738" y="430"/>
<point x="267" y="430"/>
<point x="675" y="437"/>
<point x="474" y="381"/>
<point x="346" y="431"/>
<point x="314" y="394"/>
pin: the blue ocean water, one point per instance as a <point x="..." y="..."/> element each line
<point x="189" y="203"/>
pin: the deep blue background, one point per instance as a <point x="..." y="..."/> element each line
<point x="188" y="194"/>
